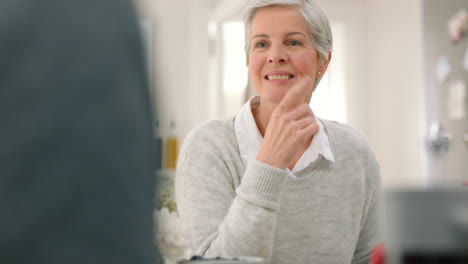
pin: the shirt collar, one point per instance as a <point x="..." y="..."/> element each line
<point x="250" y="139"/>
<point x="247" y="133"/>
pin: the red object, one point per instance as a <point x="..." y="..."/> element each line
<point x="378" y="255"/>
<point x="465" y="184"/>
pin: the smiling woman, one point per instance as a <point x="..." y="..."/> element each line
<point x="280" y="53"/>
<point x="276" y="181"/>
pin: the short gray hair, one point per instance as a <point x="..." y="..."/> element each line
<point x="315" y="18"/>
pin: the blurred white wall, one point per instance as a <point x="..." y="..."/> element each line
<point x="352" y="14"/>
<point x="395" y="90"/>
<point x="383" y="76"/>
<point x="179" y="58"/>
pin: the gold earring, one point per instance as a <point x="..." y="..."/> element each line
<point x="319" y="73"/>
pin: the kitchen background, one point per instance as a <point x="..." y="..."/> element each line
<point x="398" y="74"/>
<point x="378" y="81"/>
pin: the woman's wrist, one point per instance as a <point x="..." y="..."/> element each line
<point x="271" y="161"/>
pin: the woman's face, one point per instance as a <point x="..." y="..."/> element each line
<point x="281" y="52"/>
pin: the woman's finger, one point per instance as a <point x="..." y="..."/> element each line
<point x="300" y="111"/>
<point x="295" y="95"/>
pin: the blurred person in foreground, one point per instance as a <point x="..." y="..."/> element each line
<point x="76" y="157"/>
<point x="276" y="181"/>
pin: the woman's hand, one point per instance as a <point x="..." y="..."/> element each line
<point x="291" y="126"/>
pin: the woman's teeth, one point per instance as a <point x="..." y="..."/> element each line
<point x="279" y="77"/>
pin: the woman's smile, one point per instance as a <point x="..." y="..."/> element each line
<point x="279" y="76"/>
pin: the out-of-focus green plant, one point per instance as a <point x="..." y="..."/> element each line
<point x="164" y="200"/>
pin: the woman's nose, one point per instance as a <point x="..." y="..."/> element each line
<point x="277" y="56"/>
<point x="276" y="60"/>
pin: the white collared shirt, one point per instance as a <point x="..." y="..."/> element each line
<point x="250" y="140"/>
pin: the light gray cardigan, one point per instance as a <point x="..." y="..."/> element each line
<point x="327" y="215"/>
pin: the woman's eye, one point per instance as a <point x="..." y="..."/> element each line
<point x="294" y="43"/>
<point x="261" y="45"/>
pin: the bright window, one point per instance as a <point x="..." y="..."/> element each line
<point x="329" y="98"/>
<point x="235" y="73"/>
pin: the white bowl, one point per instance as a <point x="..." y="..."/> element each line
<point x="236" y="260"/>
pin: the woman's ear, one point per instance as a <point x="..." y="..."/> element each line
<point x="324" y="66"/>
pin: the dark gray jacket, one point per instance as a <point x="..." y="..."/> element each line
<point x="76" y="157"/>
